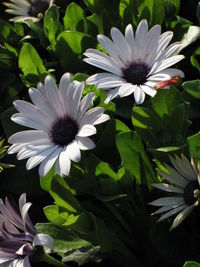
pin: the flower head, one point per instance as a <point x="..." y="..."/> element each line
<point x="18" y="236"/>
<point x="134" y="64"/>
<point x="27" y="9"/>
<point x="184" y="179"/>
<point x="61" y="125"/>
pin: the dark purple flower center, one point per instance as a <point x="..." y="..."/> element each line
<point x="38" y="6"/>
<point x="136" y="73"/>
<point x="189" y="192"/>
<point x="63" y="131"/>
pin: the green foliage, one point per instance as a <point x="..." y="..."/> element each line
<point x="134" y="157"/>
<point x="31" y="65"/>
<point x="191" y="264"/>
<point x="155" y="122"/>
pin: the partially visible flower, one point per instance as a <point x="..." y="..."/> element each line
<point x="18" y="237"/>
<point x="61" y="125"/>
<point x="27" y="9"/>
<point x="184" y="180"/>
<point x="134" y="64"/>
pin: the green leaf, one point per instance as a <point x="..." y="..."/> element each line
<point x="31" y="64"/>
<point x="54" y="215"/>
<point x="72" y="45"/>
<point x="192" y="88"/>
<point x="194" y="145"/>
<point x="75" y="19"/>
<point x="191" y="264"/>
<point x="62" y="195"/>
<point x="65" y="240"/>
<point x="134" y="157"/>
<point x="52" y="26"/>
<point x="194" y="59"/>
<point x="152" y="10"/>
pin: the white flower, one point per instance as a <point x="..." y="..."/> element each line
<point x="134" y="64"/>
<point x="18" y="236"/>
<point x="27" y="9"/>
<point x="184" y="180"/>
<point x="60" y="122"/>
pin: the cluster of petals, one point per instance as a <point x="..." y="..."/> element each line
<point x="18" y="237"/>
<point x="26" y="9"/>
<point x="134" y="64"/>
<point x="48" y="116"/>
<point x="184" y="181"/>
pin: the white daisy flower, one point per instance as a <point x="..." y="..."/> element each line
<point x="134" y="64"/>
<point x="27" y="9"/>
<point x="184" y="180"/>
<point x="18" y="236"/>
<point x="61" y="125"/>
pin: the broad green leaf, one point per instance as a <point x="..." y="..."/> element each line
<point x="134" y="157"/>
<point x="152" y="10"/>
<point x="192" y="88"/>
<point x="75" y="19"/>
<point x="65" y="240"/>
<point x="128" y="12"/>
<point x="164" y="101"/>
<point x="191" y="264"/>
<point x="52" y="26"/>
<point x="31" y="64"/>
<point x="70" y="48"/>
<point x="54" y="214"/>
<point x="62" y="195"/>
<point x="194" y="145"/>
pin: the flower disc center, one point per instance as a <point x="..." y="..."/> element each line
<point x="38" y="6"/>
<point x="63" y="131"/>
<point x="136" y="73"/>
<point x="189" y="192"/>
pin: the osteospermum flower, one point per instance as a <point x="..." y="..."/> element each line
<point x="61" y="125"/>
<point x="184" y="179"/>
<point x="134" y="64"/>
<point x="18" y="237"/>
<point x="27" y="9"/>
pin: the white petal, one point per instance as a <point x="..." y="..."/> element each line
<point x="101" y="119"/>
<point x="64" y="162"/>
<point x="73" y="151"/>
<point x="112" y="93"/>
<point x="15" y="148"/>
<point x="148" y="90"/>
<point x="28" y="122"/>
<point x="174" y="177"/>
<point x="169" y="188"/>
<point x="108" y="83"/>
<point x="85" y="103"/>
<point x="129" y="35"/>
<point x="110" y="48"/>
<point x="181" y="216"/>
<point x="76" y="97"/>
<point x="171" y="212"/>
<point x="87" y="130"/>
<point x="139" y="95"/>
<point x="91" y="116"/>
<point x="46" y="165"/>
<point x="28" y="136"/>
<point x="85" y="143"/>
<point x="126" y="89"/>
<point x="43" y="240"/>
<point x="141" y="38"/>
<point x="39" y="157"/>
<point x="164" y="201"/>
<point x="63" y="88"/>
<point x="121" y="45"/>
<point x="105" y="65"/>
